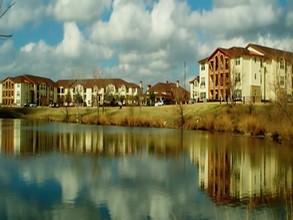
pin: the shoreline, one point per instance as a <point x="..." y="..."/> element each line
<point x="258" y="120"/>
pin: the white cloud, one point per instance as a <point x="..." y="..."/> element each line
<point x="140" y="39"/>
<point x="22" y="13"/>
<point x="71" y="45"/>
<point x="75" y="10"/>
<point x="162" y="25"/>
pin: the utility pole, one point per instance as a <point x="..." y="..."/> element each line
<point x="184" y="75"/>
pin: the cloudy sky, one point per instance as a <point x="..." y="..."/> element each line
<point x="148" y="40"/>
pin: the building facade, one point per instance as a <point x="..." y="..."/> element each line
<point x="39" y="91"/>
<point x="194" y="89"/>
<point x="254" y="74"/>
<point x="168" y="92"/>
<point x="25" y="89"/>
<point x="93" y="92"/>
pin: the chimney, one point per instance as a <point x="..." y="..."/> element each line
<point x="167" y="81"/>
<point x="140" y="84"/>
<point x="177" y="83"/>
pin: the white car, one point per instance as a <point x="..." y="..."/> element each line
<point x="160" y="103"/>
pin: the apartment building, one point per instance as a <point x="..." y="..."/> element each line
<point x="40" y="91"/>
<point x="254" y="74"/>
<point x="194" y="89"/>
<point x="97" y="91"/>
<point x="168" y="92"/>
<point x="1" y="100"/>
<point x="23" y="89"/>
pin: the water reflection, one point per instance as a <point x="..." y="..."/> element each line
<point x="244" y="170"/>
<point x="22" y="137"/>
<point x="76" y="171"/>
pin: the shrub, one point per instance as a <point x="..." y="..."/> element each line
<point x="253" y="126"/>
<point x="223" y="123"/>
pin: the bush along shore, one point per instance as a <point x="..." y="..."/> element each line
<point x="261" y="120"/>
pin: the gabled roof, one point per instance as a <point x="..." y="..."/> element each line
<point x="251" y="50"/>
<point x="271" y="52"/>
<point x="195" y="79"/>
<point x="38" y="80"/>
<point x="162" y="87"/>
<point x="66" y="83"/>
<point x="91" y="83"/>
<point x="204" y="60"/>
<point x="167" y="88"/>
<point x="30" y="79"/>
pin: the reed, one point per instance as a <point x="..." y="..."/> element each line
<point x="256" y="120"/>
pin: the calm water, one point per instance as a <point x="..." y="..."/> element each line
<point x="69" y="171"/>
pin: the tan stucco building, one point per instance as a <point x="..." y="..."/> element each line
<point x="254" y="73"/>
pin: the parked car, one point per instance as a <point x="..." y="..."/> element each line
<point x="30" y="105"/>
<point x="53" y="105"/>
<point x="160" y="103"/>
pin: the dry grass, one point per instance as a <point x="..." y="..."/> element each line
<point x="257" y="120"/>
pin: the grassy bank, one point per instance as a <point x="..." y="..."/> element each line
<point x="263" y="120"/>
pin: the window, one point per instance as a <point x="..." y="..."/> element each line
<point x="261" y="63"/>
<point x="226" y="63"/>
<point x="202" y="66"/>
<point x="237" y="95"/>
<point x="282" y="64"/>
<point x="237" y="77"/>
<point x="202" y="82"/>
<point x="211" y="64"/>
<point x="202" y="95"/>
<point x="255" y="76"/>
<point x="237" y="60"/>
<point x="221" y="62"/>
<point x="282" y="80"/>
<point x="217" y="63"/>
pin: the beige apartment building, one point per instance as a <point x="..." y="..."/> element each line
<point x="40" y="91"/>
<point x="254" y="74"/>
<point x="24" y="89"/>
<point x="98" y="91"/>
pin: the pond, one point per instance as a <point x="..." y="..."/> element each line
<point x="73" y="171"/>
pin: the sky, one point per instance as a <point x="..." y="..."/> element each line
<point x="135" y="40"/>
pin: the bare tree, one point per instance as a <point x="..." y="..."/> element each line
<point x="234" y="81"/>
<point x="180" y="97"/>
<point x="5" y="36"/>
<point x="282" y="82"/>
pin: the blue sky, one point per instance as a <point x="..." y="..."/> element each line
<point x="135" y="40"/>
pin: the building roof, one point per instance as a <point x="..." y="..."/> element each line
<point x="194" y="79"/>
<point x="204" y="60"/>
<point x="271" y="52"/>
<point x="167" y="88"/>
<point x="38" y="80"/>
<point x="258" y="50"/>
<point x="91" y="83"/>
<point x="30" y="79"/>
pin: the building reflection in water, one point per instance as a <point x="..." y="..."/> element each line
<point x="243" y="170"/>
<point x="231" y="169"/>
<point x="20" y="137"/>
